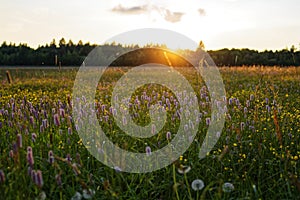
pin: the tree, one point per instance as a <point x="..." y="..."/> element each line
<point x="80" y="43"/>
<point x="62" y="42"/>
<point x="53" y="43"/>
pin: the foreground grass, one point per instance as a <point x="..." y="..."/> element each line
<point x="258" y="150"/>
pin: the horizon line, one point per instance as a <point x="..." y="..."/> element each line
<point x="140" y="45"/>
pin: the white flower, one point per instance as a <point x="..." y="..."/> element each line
<point x="42" y="196"/>
<point x="77" y="196"/>
<point x="197" y="184"/>
<point x="227" y="187"/>
<point x="183" y="169"/>
<point x="88" y="194"/>
<point x="117" y="169"/>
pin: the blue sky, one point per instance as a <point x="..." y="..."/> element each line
<point x="254" y="24"/>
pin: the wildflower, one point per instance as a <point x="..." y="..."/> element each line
<point x="245" y="110"/>
<point x="268" y="108"/>
<point x="148" y="151"/>
<point x="31" y="120"/>
<point x="102" y="107"/>
<point x="168" y="135"/>
<point x="106" y="118"/>
<point x="45" y="114"/>
<point x="62" y="112"/>
<point x="183" y="169"/>
<point x="267" y="101"/>
<point x="237" y="102"/>
<point x="77" y="196"/>
<point x="186" y="127"/>
<point x="124" y="121"/>
<point x="207" y="99"/>
<point x="111" y="109"/>
<point x="227" y="187"/>
<point x="51" y="157"/>
<point x="247" y="103"/>
<point x="29" y="156"/>
<point x="15" y="147"/>
<point x="117" y="169"/>
<point x="58" y="179"/>
<point x="33" y="137"/>
<point x="42" y="196"/>
<point x="45" y="123"/>
<point x="70" y="131"/>
<point x="88" y="194"/>
<point x="41" y="128"/>
<point x="251" y="97"/>
<point x="19" y="141"/>
<point x="197" y="184"/>
<point x="2" y="176"/>
<point x="68" y="158"/>
<point x="56" y="119"/>
<point x="39" y="180"/>
<point x="153" y="129"/>
<point x="242" y="125"/>
<point x="34" y="176"/>
<point x="114" y="112"/>
<point x="29" y="170"/>
<point x="207" y="121"/>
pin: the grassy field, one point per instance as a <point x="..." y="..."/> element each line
<point x="256" y="157"/>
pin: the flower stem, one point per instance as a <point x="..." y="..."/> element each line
<point x="175" y="184"/>
<point x="188" y="186"/>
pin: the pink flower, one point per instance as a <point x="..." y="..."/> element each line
<point x="19" y="141"/>
<point x="51" y="157"/>
<point x="39" y="180"/>
<point x="2" y="177"/>
<point x="58" y="179"/>
<point x="153" y="129"/>
<point x="148" y="151"/>
<point x="56" y="120"/>
<point x="62" y="112"/>
<point x="70" y="131"/>
<point x="29" y="156"/>
<point x="168" y="135"/>
<point x="33" y="137"/>
<point x="207" y="121"/>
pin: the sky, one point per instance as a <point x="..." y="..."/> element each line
<point x="254" y="24"/>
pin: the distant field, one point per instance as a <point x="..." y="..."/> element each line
<point x="256" y="157"/>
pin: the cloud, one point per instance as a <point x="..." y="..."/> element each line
<point x="168" y="15"/>
<point x="173" y="17"/>
<point x="201" y="11"/>
<point x="130" y="10"/>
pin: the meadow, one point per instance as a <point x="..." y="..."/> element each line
<point x="256" y="157"/>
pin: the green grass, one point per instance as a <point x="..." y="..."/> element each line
<point x="261" y="160"/>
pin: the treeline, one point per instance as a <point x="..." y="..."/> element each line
<point x="71" y="54"/>
<point x="238" y="57"/>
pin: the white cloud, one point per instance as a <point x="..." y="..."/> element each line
<point x="130" y="10"/>
<point x="201" y="11"/>
<point x="168" y="15"/>
<point x="173" y="16"/>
